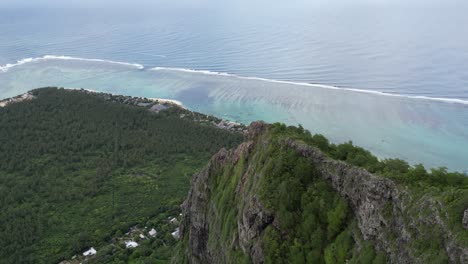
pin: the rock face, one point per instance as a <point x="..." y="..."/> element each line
<point x="381" y="208"/>
<point x="465" y="219"/>
<point x="196" y="211"/>
<point x="195" y="208"/>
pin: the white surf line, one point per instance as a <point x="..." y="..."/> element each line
<point x="206" y="72"/>
<point x="6" y="67"/>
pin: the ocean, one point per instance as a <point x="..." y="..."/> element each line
<point x="393" y="79"/>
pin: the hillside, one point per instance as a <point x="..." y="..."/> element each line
<point x="284" y="196"/>
<point x="80" y="169"/>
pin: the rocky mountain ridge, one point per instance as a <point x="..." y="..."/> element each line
<point x="387" y="215"/>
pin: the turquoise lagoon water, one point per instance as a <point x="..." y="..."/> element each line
<point x="420" y="130"/>
<point x="403" y="48"/>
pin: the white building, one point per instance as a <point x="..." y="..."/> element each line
<point x="131" y="244"/>
<point x="176" y="234"/>
<point x="153" y="232"/>
<point x="90" y="252"/>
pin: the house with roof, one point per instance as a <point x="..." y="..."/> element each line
<point x="90" y="252"/>
<point x="131" y="244"/>
<point x="153" y="232"/>
<point x="176" y="234"/>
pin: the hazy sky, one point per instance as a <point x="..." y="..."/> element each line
<point x="204" y="3"/>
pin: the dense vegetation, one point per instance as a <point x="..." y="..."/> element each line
<point x="450" y="188"/>
<point x="77" y="171"/>
<point x="396" y="169"/>
<point x="310" y="222"/>
<point x="313" y="223"/>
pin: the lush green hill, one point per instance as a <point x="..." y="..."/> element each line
<point x="79" y="169"/>
<point x="277" y="198"/>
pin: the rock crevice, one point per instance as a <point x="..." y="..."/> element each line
<point x="379" y="205"/>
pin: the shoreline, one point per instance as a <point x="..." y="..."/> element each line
<point x="168" y="101"/>
<point x="19" y="98"/>
<point x="28" y="96"/>
<point x="161" y="104"/>
<point x="161" y="100"/>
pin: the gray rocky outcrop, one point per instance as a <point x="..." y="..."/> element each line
<point x="387" y="214"/>
<point x="465" y="219"/>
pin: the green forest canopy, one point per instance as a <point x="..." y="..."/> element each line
<point x="75" y="170"/>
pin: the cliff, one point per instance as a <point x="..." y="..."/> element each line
<point x="278" y="199"/>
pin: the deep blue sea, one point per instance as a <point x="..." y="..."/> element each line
<point x="392" y="78"/>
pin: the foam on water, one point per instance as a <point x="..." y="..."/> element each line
<point x="431" y="61"/>
<point x="432" y="131"/>
<point x="6" y="67"/>
<point x="206" y="72"/>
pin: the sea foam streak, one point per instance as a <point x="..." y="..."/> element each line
<point x="206" y="72"/>
<point x="6" y="67"/>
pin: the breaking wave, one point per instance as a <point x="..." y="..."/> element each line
<point x="206" y="72"/>
<point x="6" y="67"/>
